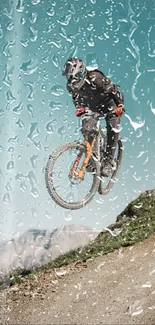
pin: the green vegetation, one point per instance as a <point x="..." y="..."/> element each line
<point x="134" y="224"/>
<point x="15" y="279"/>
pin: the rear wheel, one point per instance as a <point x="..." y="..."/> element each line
<point x="107" y="183"/>
<point x="68" y="191"/>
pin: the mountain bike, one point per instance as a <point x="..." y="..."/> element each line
<point x="67" y="175"/>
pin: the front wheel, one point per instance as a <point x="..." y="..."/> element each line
<point x="71" y="193"/>
<point x="106" y="184"/>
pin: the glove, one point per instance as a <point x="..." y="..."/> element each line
<point x="80" y="111"/>
<point x="119" y="110"/>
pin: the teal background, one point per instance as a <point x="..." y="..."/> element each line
<point x="37" y="115"/>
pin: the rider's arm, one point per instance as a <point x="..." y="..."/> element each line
<point x="117" y="96"/>
<point x="108" y="87"/>
<point x="78" y="102"/>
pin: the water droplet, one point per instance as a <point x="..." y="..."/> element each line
<point x="34" y="192"/>
<point x="7" y="73"/>
<point x="31" y="93"/>
<point x="64" y="34"/>
<point x="24" y="43"/>
<point x="135" y="125"/>
<point x="51" y="12"/>
<point x="140" y="154"/>
<point x="30" y="67"/>
<point x="91" y="60"/>
<point x="73" y="52"/>
<point x="91" y="13"/>
<point x="65" y="20"/>
<point x="55" y="60"/>
<point x="55" y="105"/>
<point x="33" y="132"/>
<point x="1" y="31"/>
<point x="90" y="40"/>
<point x="71" y="9"/>
<point x="118" y="130"/>
<point x="34" y="213"/>
<point x="43" y="88"/>
<point x="37" y="145"/>
<point x="68" y="216"/>
<point x="32" y="178"/>
<point x="33" y="160"/>
<point x="6" y="198"/>
<point x="20" y="6"/>
<point x="10" y="26"/>
<point x="9" y="97"/>
<point x="8" y="187"/>
<point x="20" y="123"/>
<point x="23" y="187"/>
<point x="70" y="197"/>
<point x="139" y="133"/>
<point x="138" y="312"/>
<point x="17" y="109"/>
<point x="134" y="308"/>
<point x="57" y="90"/>
<point x="14" y="140"/>
<point x="115" y="232"/>
<point x="8" y="14"/>
<point x="10" y="165"/>
<point x="49" y="127"/>
<point x="55" y="42"/>
<point x="33" y="17"/>
<point x="20" y="224"/>
<point x="90" y="27"/>
<point x="30" y="109"/>
<point x="138" y="206"/>
<point x="146" y="161"/>
<point x="34" y="34"/>
<point x="23" y="21"/>
<point x="48" y="215"/>
<point x="61" y="131"/>
<point x="35" y="2"/>
<point x="152" y="109"/>
<point x="136" y="177"/>
<point x="11" y="149"/>
<point x="6" y="49"/>
<point x="60" y="174"/>
<point x="45" y="59"/>
<point x="1" y="112"/>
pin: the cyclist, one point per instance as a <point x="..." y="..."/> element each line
<point x="92" y="92"/>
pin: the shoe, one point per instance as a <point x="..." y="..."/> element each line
<point x="106" y="169"/>
<point x="107" y="166"/>
<point x="90" y="168"/>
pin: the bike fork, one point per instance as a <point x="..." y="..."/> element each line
<point x="89" y="151"/>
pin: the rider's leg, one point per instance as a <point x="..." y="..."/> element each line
<point x="89" y="127"/>
<point x="113" y="129"/>
<point x="89" y="131"/>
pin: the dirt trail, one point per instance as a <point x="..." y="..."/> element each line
<point x="118" y="288"/>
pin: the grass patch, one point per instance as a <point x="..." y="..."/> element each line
<point x="136" y="222"/>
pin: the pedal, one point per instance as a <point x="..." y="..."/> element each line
<point x="114" y="164"/>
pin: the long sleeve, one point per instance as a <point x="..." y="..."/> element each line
<point x="78" y="101"/>
<point x="107" y="86"/>
<point x="117" y="95"/>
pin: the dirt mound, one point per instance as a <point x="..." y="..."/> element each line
<point x="118" y="288"/>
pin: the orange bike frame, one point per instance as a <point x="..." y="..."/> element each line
<point x="89" y="149"/>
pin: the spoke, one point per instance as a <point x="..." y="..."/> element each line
<point x="65" y="188"/>
<point x="79" y="191"/>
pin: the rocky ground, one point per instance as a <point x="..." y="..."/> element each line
<point x="118" y="288"/>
